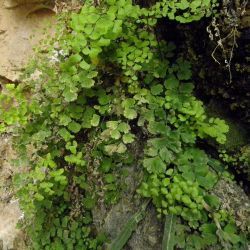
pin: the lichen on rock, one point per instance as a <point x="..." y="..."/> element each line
<point x="236" y="201"/>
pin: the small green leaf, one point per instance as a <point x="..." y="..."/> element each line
<point x="207" y="181"/>
<point x="65" y="134"/>
<point x="165" y="182"/>
<point x="166" y="155"/>
<point x="128" y="138"/>
<point x="103" y="42"/>
<point x="115" y="148"/>
<point x="186" y="88"/>
<point x="184" y="4"/>
<point x="72" y="147"/>
<point x="89" y="202"/>
<point x="212" y="201"/>
<point x="158" y="128"/>
<point x="70" y="94"/>
<point x="92" y="18"/>
<point x="172" y="83"/>
<point x="106" y="165"/>
<point x="87" y="116"/>
<point x="209" y="228"/>
<point x="169" y="171"/>
<point x="84" y="65"/>
<point x="157" y="89"/>
<point x="121" y="148"/>
<point x="123" y="127"/>
<point x="74" y="127"/>
<point x="230" y="229"/>
<point x="115" y="134"/>
<point x="85" y="81"/>
<point x="109" y="178"/>
<point x="154" y="165"/>
<point x="95" y="120"/>
<point x="104" y="99"/>
<point x="10" y="86"/>
<point x="130" y="113"/>
<point x="112" y="124"/>
<point x="64" y="120"/>
<point x="75" y="58"/>
<point x="39" y="197"/>
<point x="229" y="233"/>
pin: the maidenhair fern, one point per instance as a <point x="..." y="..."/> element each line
<point x="112" y="88"/>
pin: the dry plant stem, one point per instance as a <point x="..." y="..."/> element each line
<point x="220" y="44"/>
<point x="231" y="53"/>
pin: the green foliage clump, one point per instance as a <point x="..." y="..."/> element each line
<point x="111" y="87"/>
<point x="238" y="160"/>
<point x="183" y="11"/>
<point x="65" y="232"/>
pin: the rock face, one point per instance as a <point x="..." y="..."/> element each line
<point x="10" y="212"/>
<point x="148" y="234"/>
<point x="235" y="200"/>
<point x="15" y="3"/>
<point x="9" y="216"/>
<point x="16" y="27"/>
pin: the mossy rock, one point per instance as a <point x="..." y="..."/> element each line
<point x="237" y="136"/>
<point x="245" y="152"/>
<point x="244" y="157"/>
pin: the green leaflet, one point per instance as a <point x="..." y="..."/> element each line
<point x="128" y="229"/>
<point x="168" y="241"/>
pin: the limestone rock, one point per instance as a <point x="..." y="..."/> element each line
<point x="235" y="200"/>
<point x="15" y="3"/>
<point x="17" y="26"/>
<point x="10" y="213"/>
<point x="9" y="216"/>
